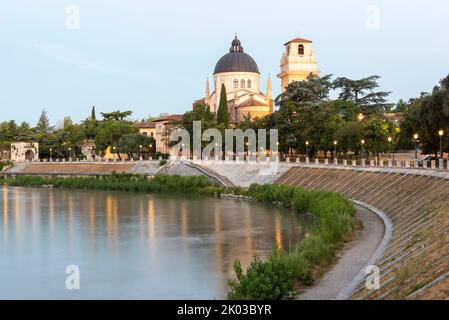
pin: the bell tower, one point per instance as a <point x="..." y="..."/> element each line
<point x="297" y="62"/>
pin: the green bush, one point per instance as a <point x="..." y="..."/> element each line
<point x="268" y="280"/>
<point x="158" y="154"/>
<point x="162" y="162"/>
<point x="333" y="221"/>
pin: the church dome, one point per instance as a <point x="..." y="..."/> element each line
<point x="236" y="60"/>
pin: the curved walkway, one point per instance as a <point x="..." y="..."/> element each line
<point x="352" y="260"/>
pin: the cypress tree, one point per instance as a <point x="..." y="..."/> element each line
<point x="222" y="113"/>
<point x="93" y="115"/>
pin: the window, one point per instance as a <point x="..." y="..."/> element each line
<point x="301" y="50"/>
<point x="236" y="83"/>
<point x="248" y="84"/>
<point x="242" y="84"/>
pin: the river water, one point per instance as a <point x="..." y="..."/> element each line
<point x="123" y="245"/>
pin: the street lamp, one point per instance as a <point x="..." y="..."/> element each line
<point x="389" y="147"/>
<point x="416" y="137"/>
<point x="363" y="145"/>
<point x="361" y="116"/>
<point x="307" y="148"/>
<point x="50" y="153"/>
<point x="335" y="144"/>
<point x="441" y="133"/>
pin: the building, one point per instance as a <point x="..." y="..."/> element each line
<point x="162" y="129"/>
<point x="147" y="128"/>
<point x="24" y="151"/>
<point x="298" y="62"/>
<point x="239" y="73"/>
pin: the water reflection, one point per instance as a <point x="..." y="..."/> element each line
<point x="131" y="245"/>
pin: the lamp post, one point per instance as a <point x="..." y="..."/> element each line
<point x="389" y="147"/>
<point x="335" y="144"/>
<point x="50" y="153"/>
<point x="70" y="154"/>
<point x="307" y="148"/>
<point x="363" y="145"/>
<point x="361" y="116"/>
<point x="416" y="137"/>
<point x="441" y="133"/>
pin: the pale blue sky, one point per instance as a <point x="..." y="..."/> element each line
<point x="154" y="56"/>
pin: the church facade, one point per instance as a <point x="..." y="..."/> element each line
<point x="239" y="72"/>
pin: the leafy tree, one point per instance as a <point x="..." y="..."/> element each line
<point x="426" y="116"/>
<point x="24" y="132"/>
<point x="363" y="93"/>
<point x="110" y="132"/>
<point x="116" y="115"/>
<point x="401" y="106"/>
<point x="134" y="144"/>
<point x="223" y="113"/>
<point x="313" y="90"/>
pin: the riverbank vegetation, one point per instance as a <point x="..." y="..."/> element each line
<point x="275" y="278"/>
<point x="333" y="220"/>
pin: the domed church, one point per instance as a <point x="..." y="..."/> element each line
<point x="239" y="73"/>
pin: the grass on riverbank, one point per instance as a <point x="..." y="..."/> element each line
<point x="122" y="182"/>
<point x="272" y="279"/>
<point x="276" y="277"/>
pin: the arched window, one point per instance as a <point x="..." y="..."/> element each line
<point x="248" y="85"/>
<point x="301" y="49"/>
<point x="242" y="84"/>
<point x="236" y="83"/>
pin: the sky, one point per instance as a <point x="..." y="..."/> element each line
<point x="154" y="57"/>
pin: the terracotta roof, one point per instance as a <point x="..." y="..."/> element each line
<point x="172" y="117"/>
<point x="252" y="103"/>
<point x="145" y="125"/>
<point x="298" y="40"/>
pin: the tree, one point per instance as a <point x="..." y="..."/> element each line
<point x="116" y="115"/>
<point x="313" y="90"/>
<point x="134" y="143"/>
<point x="223" y="113"/>
<point x="426" y="116"/>
<point x="110" y="132"/>
<point x="199" y="113"/>
<point x="43" y="125"/>
<point x="93" y="115"/>
<point x="24" y="132"/>
<point x="401" y="106"/>
<point x="363" y="93"/>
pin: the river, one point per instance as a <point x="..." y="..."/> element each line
<point x="124" y="245"/>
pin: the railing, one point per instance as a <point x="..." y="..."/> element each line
<point x="438" y="165"/>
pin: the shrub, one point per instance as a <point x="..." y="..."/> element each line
<point x="334" y="220"/>
<point x="164" y="156"/>
<point x="162" y="162"/>
<point x="268" y="280"/>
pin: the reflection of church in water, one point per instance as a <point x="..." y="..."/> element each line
<point x="239" y="72"/>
